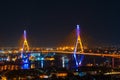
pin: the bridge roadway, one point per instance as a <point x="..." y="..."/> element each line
<point x="90" y="54"/>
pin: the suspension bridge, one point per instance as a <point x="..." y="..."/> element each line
<point x="75" y="52"/>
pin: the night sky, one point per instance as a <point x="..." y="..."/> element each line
<point x="47" y="22"/>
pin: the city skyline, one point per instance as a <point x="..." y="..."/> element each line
<point x="49" y="22"/>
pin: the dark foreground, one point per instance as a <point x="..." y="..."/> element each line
<point x="54" y="73"/>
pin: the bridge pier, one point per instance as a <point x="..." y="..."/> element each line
<point x="113" y="63"/>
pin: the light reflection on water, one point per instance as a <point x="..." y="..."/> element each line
<point x="16" y="67"/>
<point x="9" y="67"/>
<point x="28" y="66"/>
<point x="25" y="66"/>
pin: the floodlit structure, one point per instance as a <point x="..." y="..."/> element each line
<point x="78" y="61"/>
<point x="25" y="43"/>
<point x="25" y="49"/>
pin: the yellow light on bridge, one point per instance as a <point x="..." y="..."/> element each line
<point x="66" y="47"/>
<point x="61" y="74"/>
<point x="50" y="59"/>
<point x="72" y="48"/>
<point x="63" y="48"/>
<point x="21" y="49"/>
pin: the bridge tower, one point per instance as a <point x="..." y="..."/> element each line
<point x="78" y="41"/>
<point x="25" y="49"/>
<point x="25" y="46"/>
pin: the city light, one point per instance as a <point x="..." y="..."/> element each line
<point x="42" y="62"/>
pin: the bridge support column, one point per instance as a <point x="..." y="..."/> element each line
<point x="113" y="63"/>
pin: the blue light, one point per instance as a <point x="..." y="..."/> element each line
<point x="63" y="61"/>
<point x="25" y="61"/>
<point x="77" y="27"/>
<point x="81" y="59"/>
<point x="75" y="59"/>
<point x="38" y="59"/>
<point x="39" y="54"/>
<point x="25" y="66"/>
<point x="42" y="58"/>
<point x="42" y="63"/>
<point x="25" y="34"/>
